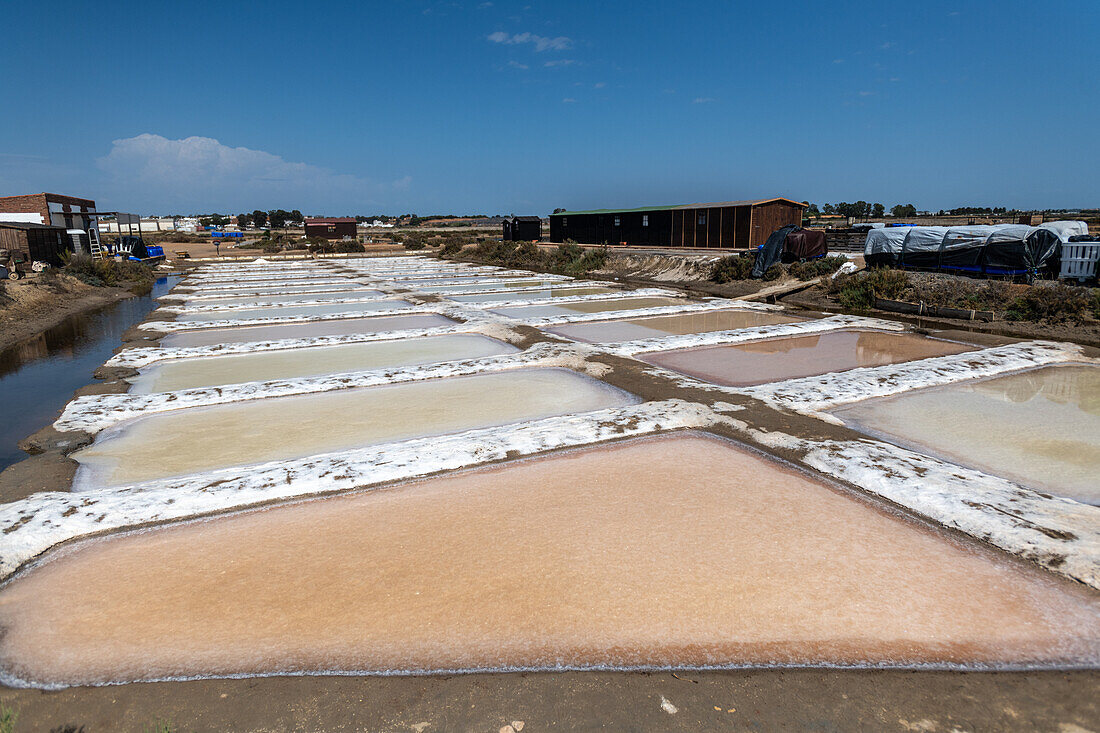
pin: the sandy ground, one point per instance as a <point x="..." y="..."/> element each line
<point x="29" y="307"/>
<point x="765" y="700"/>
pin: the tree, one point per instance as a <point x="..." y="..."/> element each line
<point x="277" y="218"/>
<point x="259" y="218"/>
<point x="878" y="211"/>
<point x="829" y="209"/>
<point x="296" y="216"/>
<point x="901" y="211"/>
<point x="812" y="210"/>
<point x="244" y="220"/>
<point x="558" y="211"/>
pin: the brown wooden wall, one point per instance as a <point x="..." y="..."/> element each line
<point x="766" y="218"/>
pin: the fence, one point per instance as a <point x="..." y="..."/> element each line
<point x="1079" y="260"/>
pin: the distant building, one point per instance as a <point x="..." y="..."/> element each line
<point x="332" y="228"/>
<point x="77" y="216"/>
<point x="727" y="224"/>
<point x="522" y="228"/>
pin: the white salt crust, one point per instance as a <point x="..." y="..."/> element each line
<point x="93" y="413"/>
<point x="32" y="525"/>
<point x="229" y="308"/>
<point x="814" y="395"/>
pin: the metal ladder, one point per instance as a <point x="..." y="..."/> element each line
<point x="93" y="244"/>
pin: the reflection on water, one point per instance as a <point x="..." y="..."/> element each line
<point x="1040" y="428"/>
<point x="774" y="360"/>
<point x="39" y="375"/>
<point x="677" y="550"/>
<point x="526" y="294"/>
<point x="641" y="328"/>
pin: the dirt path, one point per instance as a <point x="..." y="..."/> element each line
<point x="795" y="699"/>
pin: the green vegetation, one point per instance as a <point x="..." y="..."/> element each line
<point x="110" y="272"/>
<point x="158" y="726"/>
<point x="566" y="259"/>
<point x="8" y="717"/>
<point x="739" y="267"/>
<point x="1047" y="302"/>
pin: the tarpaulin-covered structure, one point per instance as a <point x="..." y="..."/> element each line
<point x="1009" y="250"/>
<point x="789" y="244"/>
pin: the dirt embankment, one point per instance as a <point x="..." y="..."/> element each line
<point x="32" y="305"/>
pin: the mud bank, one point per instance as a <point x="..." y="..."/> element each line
<point x="29" y="307"/>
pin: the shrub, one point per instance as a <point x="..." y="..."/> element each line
<point x="858" y="291"/>
<point x="450" y="248"/>
<point x="108" y="271"/>
<point x="8" y="717"/>
<point x="734" y="267"/>
<point x="810" y="269"/>
<point x="775" y="272"/>
<point x="349" y="247"/>
<point x="414" y="245"/>
<point x="1054" y="303"/>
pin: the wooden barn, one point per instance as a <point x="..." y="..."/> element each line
<point x="522" y="229"/>
<point x="725" y="225"/>
<point x="331" y="228"/>
<point x="35" y="242"/>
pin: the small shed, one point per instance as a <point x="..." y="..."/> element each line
<point x="331" y="228"/>
<point x="35" y="242"/>
<point x="522" y="229"/>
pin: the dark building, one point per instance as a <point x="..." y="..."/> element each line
<point x="34" y="242"/>
<point x="78" y="216"/>
<point x="727" y="224"/>
<point x="332" y="228"/>
<point x="522" y="229"/>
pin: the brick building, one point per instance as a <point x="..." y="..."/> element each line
<point x="331" y="228"/>
<point x="77" y="216"/>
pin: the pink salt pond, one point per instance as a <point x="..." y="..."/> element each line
<point x="777" y="359"/>
<point x="306" y="329"/>
<point x="672" y="551"/>
<point x="632" y="329"/>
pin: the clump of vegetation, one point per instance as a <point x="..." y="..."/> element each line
<point x="810" y="269"/>
<point x="8" y="717"/>
<point x="859" y="291"/>
<point x="1053" y="303"/>
<point x="734" y="267"/>
<point x="349" y="247"/>
<point x="110" y="272"/>
<point x="566" y="259"/>
<point x="739" y="267"/>
<point x="451" y="248"/>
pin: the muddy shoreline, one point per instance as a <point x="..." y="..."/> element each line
<point x="18" y="324"/>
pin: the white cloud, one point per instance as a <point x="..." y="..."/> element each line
<point x="702" y="100"/>
<point x="600" y="84"/>
<point x="569" y="100"/>
<point x="541" y="43"/>
<point x="866" y="94"/>
<point x="560" y="62"/>
<point x="199" y="173"/>
<point x="518" y="65"/>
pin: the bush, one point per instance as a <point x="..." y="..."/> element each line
<point x="858" y="291"/>
<point x="451" y="248"/>
<point x="811" y="269"/>
<point x="349" y="247"/>
<point x="1054" y="303"/>
<point x="775" y="272"/>
<point x="108" y="271"/>
<point x="734" y="267"/>
<point x="414" y="245"/>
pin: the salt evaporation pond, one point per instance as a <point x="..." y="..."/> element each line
<point x="200" y="439"/>
<point x="641" y="328"/>
<point x="585" y="306"/>
<point x="666" y="552"/>
<point x="319" y="309"/>
<point x="262" y="287"/>
<point x="773" y="360"/>
<point x="497" y="285"/>
<point x="309" y="329"/>
<point x="1040" y="428"/>
<point x="283" y="297"/>
<point x="266" y="365"/>
<point x="525" y="294"/>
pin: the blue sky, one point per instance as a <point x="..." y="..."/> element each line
<point x="500" y="107"/>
